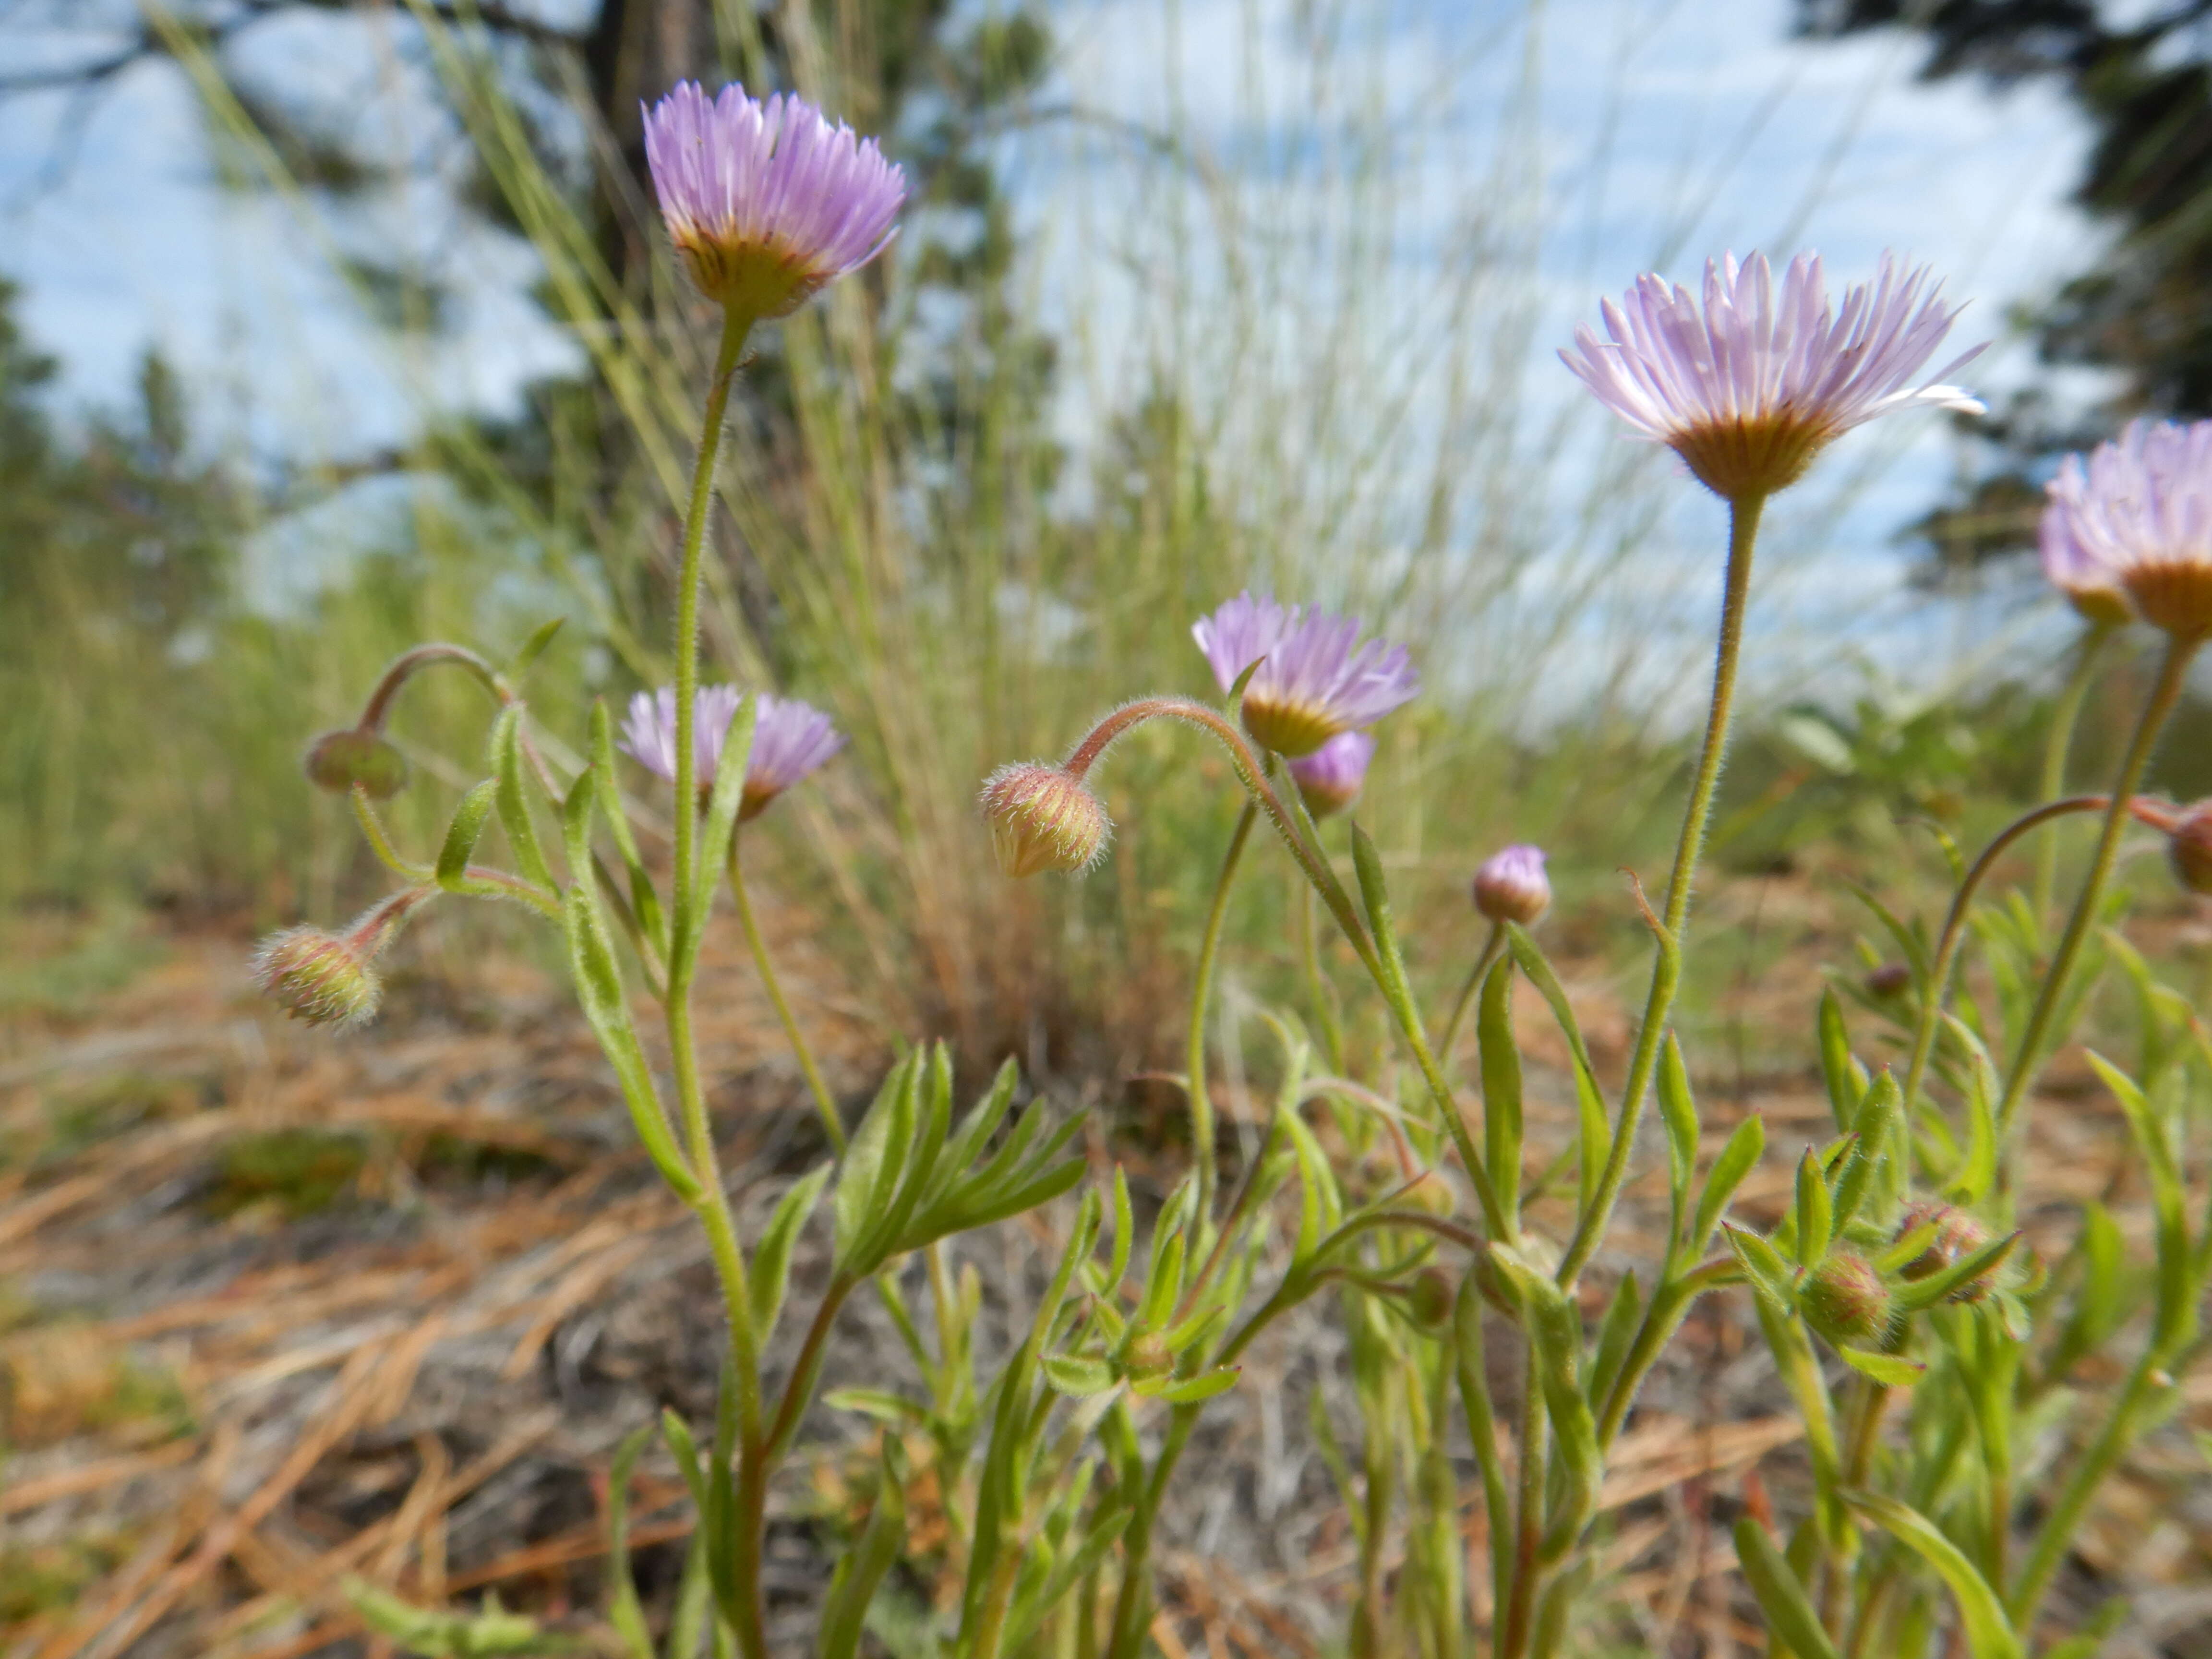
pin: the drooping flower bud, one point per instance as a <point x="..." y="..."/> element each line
<point x="329" y="979"/>
<point x="356" y="758"/>
<point x="1511" y="886"/>
<point x="2189" y="848"/>
<point x="1958" y="1236"/>
<point x="1892" y="979"/>
<point x="1844" y="1299"/>
<point x="1043" y="818"/>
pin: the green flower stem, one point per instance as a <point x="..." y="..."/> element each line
<point x="824" y="1101"/>
<point x="1667" y="968"/>
<point x="1490" y="947"/>
<point x="1938" y="989"/>
<point x="1318" y="990"/>
<point x="1248" y="772"/>
<point x="2057" y="745"/>
<point x="1528" y="1516"/>
<point x="1669" y="1306"/>
<point x="2172" y="675"/>
<point x="1202" y="1147"/>
<point x="374" y="711"/>
<point x="713" y="1204"/>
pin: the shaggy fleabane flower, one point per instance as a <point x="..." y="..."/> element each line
<point x="766" y="203"/>
<point x="1510" y="885"/>
<point x="1316" y="678"/>
<point x="1330" y="779"/>
<point x="2089" y="588"/>
<point x="329" y="979"/>
<point x="1747" y="385"/>
<point x="2139" y="515"/>
<point x="791" y="740"/>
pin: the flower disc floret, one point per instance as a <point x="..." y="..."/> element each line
<point x="792" y="739"/>
<point x="766" y="203"/>
<point x="1316" y="678"/>
<point x="1330" y="779"/>
<point x="2138" y="516"/>
<point x="1746" y="384"/>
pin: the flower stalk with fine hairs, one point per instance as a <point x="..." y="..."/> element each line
<point x="1748" y="386"/>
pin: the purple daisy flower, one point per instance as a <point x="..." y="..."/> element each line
<point x="1749" y="385"/>
<point x="1331" y="777"/>
<point x="1315" y="679"/>
<point x="2137" y="518"/>
<point x="766" y="203"/>
<point x="1510" y="885"/>
<point x="791" y="740"/>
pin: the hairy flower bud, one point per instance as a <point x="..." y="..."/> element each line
<point x="356" y="756"/>
<point x="1958" y="1236"/>
<point x="1892" y="979"/>
<point x="1511" y="886"/>
<point x="1329" y="780"/>
<point x="1844" y="1299"/>
<point x="316" y="976"/>
<point x="2189" y="848"/>
<point x="1430" y="1298"/>
<point x="1042" y="818"/>
<point x="329" y="979"/>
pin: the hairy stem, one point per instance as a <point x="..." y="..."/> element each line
<point x="825" y="1103"/>
<point x="1666" y="969"/>
<point x="1449" y="1037"/>
<point x="1318" y="990"/>
<point x="2065" y="715"/>
<point x="2172" y="674"/>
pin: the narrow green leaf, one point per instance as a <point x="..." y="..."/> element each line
<point x="1678" y="1110"/>
<point x="854" y="1585"/>
<point x="768" y="1274"/>
<point x="1892" y="1371"/>
<point x="1781" y="1597"/>
<point x="533" y="648"/>
<point x="1190" y="1390"/>
<point x="624" y="1611"/>
<point x="1735" y="1162"/>
<point x="722" y="805"/>
<point x="1073" y="1375"/>
<point x="1763" y="1266"/>
<point x="1836" y="1060"/>
<point x="1989" y="1634"/>
<point x="1915" y="1294"/>
<point x="462" y="834"/>
<point x="1813" y="1212"/>
<point x="1501" y="1083"/>
<point x="871" y="1162"/>
<point x="513" y="803"/>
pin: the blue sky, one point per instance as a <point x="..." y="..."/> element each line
<point x="1573" y="141"/>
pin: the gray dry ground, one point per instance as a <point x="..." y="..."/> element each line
<point x="422" y="1382"/>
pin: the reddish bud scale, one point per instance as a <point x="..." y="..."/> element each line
<point x="1958" y="1236"/>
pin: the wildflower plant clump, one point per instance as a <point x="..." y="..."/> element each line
<point x="1922" y="1343"/>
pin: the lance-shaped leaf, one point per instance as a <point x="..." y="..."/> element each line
<point x="1890" y="1370"/>
<point x="644" y="901"/>
<point x="1735" y="1162"/>
<point x="512" y="803"/>
<point x="1501" y="1084"/>
<point x="600" y="991"/>
<point x="1837" y="1069"/>
<point x="1989" y="1634"/>
<point x="1782" y="1597"/>
<point x="1872" y="1130"/>
<point x="768" y="1274"/>
<point x="1915" y="1294"/>
<point x="462" y="834"/>
<point x="1595" y="1133"/>
<point x="1555" y="1329"/>
<point x="1977" y="1177"/>
<point x="1815" y="1211"/>
<point x="874" y="1166"/>
<point x="1678" y="1111"/>
<point x="533" y="648"/>
<point x="854" y="1585"/>
<point x="713" y="850"/>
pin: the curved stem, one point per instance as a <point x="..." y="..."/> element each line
<point x="1955" y="933"/>
<point x="1202" y="1148"/>
<point x="824" y="1101"/>
<point x="374" y="711"/>
<point x="1490" y="947"/>
<point x="2065" y="715"/>
<point x="2171" y="674"/>
<point x="1666" y="970"/>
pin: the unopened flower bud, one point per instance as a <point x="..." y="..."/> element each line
<point x="1958" y="1236"/>
<point x="1892" y="979"/>
<point x="1149" y="1357"/>
<point x="1511" y="886"/>
<point x="2189" y="848"/>
<point x="329" y="979"/>
<point x="1330" y="778"/>
<point x="1042" y="818"/>
<point x="1430" y="1298"/>
<point x="356" y="757"/>
<point x="1844" y="1299"/>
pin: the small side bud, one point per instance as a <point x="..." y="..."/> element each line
<point x="2189" y="848"/>
<point x="1329" y="780"/>
<point x="1149" y="1357"/>
<point x="1958" y="1236"/>
<point x="1890" y="980"/>
<point x="1844" y="1299"/>
<point x="1431" y="1297"/>
<point x="329" y="979"/>
<point x="1511" y="886"/>
<point x="356" y="758"/>
<point x="1042" y="818"/>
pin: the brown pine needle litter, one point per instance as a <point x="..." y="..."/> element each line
<point x="280" y="1309"/>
